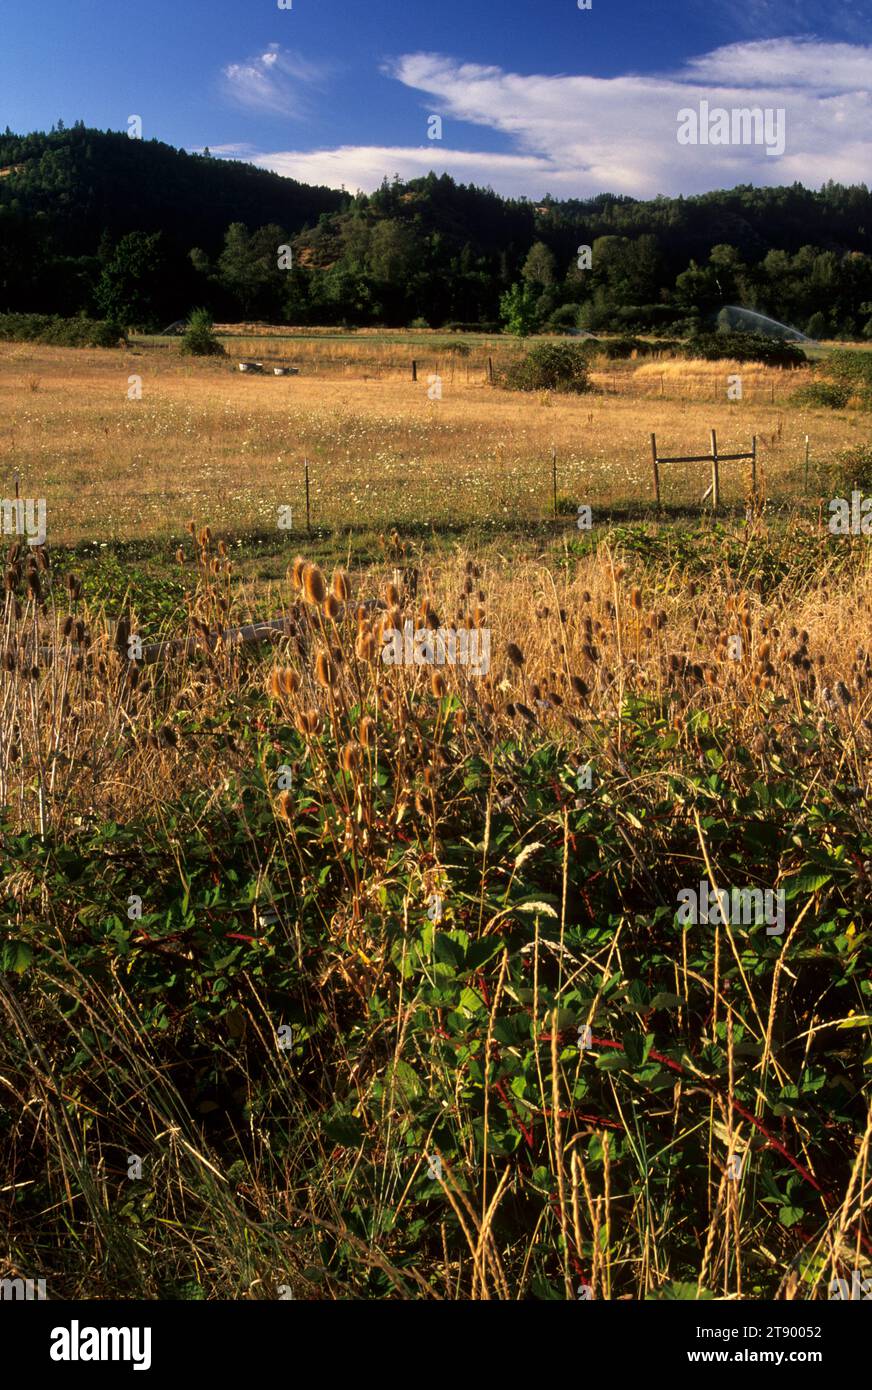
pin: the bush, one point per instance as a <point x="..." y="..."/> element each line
<point x="745" y="347"/>
<point x="549" y="367"/>
<point x="51" y="328"/>
<point x="564" y="317"/>
<point x="199" y="339"/>
<point x="619" y="349"/>
<point x="831" y="394"/>
<point x="853" y="369"/>
<point x="850" y="469"/>
<point x="849" y="376"/>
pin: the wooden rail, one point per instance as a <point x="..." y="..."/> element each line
<point x="714" y="458"/>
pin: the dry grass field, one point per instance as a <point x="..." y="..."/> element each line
<point x="207" y="440"/>
<point x="348" y="979"/>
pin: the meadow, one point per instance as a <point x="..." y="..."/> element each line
<point x="230" y="447"/>
<point x="323" y="978"/>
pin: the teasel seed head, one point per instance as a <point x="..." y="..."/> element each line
<point x="297" y="569"/>
<point x="325" y="671"/>
<point x="332" y="607"/>
<point x="309" y="721"/>
<point x="365" y="647"/>
<point x="437" y="684"/>
<point x="290" y="680"/>
<point x="350" y="757"/>
<point x="341" y="586"/>
<point x="366" y="731"/>
<point x="515" y="655"/>
<point x="314" y="587"/>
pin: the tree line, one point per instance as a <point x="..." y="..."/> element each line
<point x="139" y="233"/>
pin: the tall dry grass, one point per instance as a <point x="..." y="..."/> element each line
<point x="380" y="808"/>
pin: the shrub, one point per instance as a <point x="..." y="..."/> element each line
<point x="51" y="328"/>
<point x="852" y="368"/>
<point x="564" y="317"/>
<point x="850" y="469"/>
<point x="549" y="366"/>
<point x="831" y="394"/>
<point x="199" y="339"/>
<point x="619" y="349"/>
<point x="849" y="376"/>
<point x="745" y="347"/>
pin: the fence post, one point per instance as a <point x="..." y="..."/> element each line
<point x="554" y="476"/>
<point x="806" y="465"/>
<point x="754" y="468"/>
<point x="490" y="371"/>
<point x="308" y="518"/>
<point x="414" y="370"/>
<point x="715" y="478"/>
<point x="656" y="469"/>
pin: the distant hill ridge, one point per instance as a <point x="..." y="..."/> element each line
<point x="87" y="182"/>
<point x="139" y="232"/>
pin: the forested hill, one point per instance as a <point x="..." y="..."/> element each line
<point x="85" y="183"/>
<point x="137" y="231"/>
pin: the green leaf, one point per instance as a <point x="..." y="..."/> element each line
<point x="16" y="955"/>
<point x="804" y="883"/>
<point x="788" y="1216"/>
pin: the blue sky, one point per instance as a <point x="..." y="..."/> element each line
<point x="534" y="95"/>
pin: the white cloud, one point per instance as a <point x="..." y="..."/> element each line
<point x="364" y="166"/>
<point x="274" y="82"/>
<point x="581" y="135"/>
<point x="788" y="63"/>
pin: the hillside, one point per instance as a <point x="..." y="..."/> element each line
<point x="94" y="222"/>
<point x="86" y="183"/>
